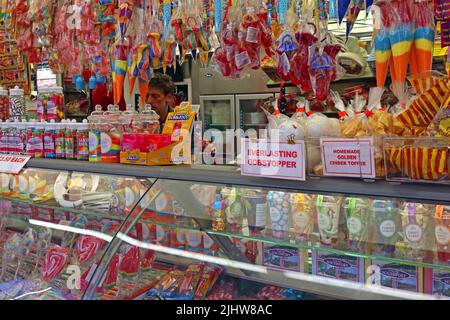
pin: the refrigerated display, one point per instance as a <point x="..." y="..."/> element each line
<point x="218" y="112"/>
<point x="249" y="112"/>
<point x="113" y="231"/>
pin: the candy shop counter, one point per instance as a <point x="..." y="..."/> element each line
<point x="79" y="230"/>
<point x="230" y="175"/>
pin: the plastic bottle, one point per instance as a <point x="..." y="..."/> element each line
<point x="49" y="140"/>
<point x="38" y="139"/>
<point x="6" y="133"/>
<point x="82" y="141"/>
<point x="30" y="146"/>
<point x="95" y="123"/>
<point x="60" y="149"/>
<point x="69" y="139"/>
<point x="4" y="104"/>
<point x="16" y="103"/>
<point x="2" y="133"/>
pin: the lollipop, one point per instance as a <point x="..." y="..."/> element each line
<point x="87" y="247"/>
<point x="54" y="262"/>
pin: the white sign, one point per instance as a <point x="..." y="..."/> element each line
<point x="12" y="163"/>
<point x="348" y="157"/>
<point x="273" y="159"/>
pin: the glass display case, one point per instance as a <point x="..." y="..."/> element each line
<point x="250" y="115"/>
<point x="114" y="231"/>
<point x="217" y="112"/>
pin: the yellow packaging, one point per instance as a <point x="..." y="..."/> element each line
<point x="181" y="119"/>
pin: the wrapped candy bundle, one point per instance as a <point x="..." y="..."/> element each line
<point x="417" y="159"/>
<point x="421" y="112"/>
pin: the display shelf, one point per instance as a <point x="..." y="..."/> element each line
<point x="333" y="288"/>
<point x="276" y="84"/>
<point x="263" y="238"/>
<point x="232" y="177"/>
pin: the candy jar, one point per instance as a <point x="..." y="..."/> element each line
<point x="96" y="121"/>
<point x="150" y="120"/>
<point x="328" y="209"/>
<point x="16" y="104"/>
<point x="49" y="140"/>
<point x="4" y="104"/>
<point x="82" y="141"/>
<point x="255" y="203"/>
<point x="278" y="205"/>
<point x="302" y="215"/>
<point x="357" y="218"/>
<point x="386" y="224"/>
<point x="69" y="139"/>
<point x="111" y="135"/>
<point x="130" y="120"/>
<point x="60" y="146"/>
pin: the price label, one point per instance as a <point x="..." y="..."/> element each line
<point x="348" y="157"/>
<point x="273" y="159"/>
<point x="12" y="163"/>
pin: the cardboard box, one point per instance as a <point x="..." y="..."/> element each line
<point x="437" y="282"/>
<point x="398" y="276"/>
<point x="285" y="258"/>
<point x="337" y="266"/>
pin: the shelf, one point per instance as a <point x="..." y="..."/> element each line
<point x="267" y="239"/>
<point x="230" y="176"/>
<point x="275" y="84"/>
<point x="339" y="289"/>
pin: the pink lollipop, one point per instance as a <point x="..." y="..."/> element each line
<point x="55" y="260"/>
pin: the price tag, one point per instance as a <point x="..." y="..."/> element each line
<point x="12" y="163"/>
<point x="348" y="157"/>
<point x="273" y="159"/>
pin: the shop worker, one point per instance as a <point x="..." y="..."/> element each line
<point x="161" y="95"/>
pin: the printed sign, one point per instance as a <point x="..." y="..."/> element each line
<point x="273" y="159"/>
<point x="348" y="157"/>
<point x="12" y="164"/>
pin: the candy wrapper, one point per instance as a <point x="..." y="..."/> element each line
<point x="357" y="217"/>
<point x="167" y="287"/>
<point x="417" y="223"/>
<point x="255" y="204"/>
<point x="328" y="210"/>
<point x="416" y="159"/>
<point x="423" y="109"/>
<point x="207" y="281"/>
<point x="234" y="209"/>
<point x="279" y="209"/>
<point x="385" y="226"/>
<point x="191" y="281"/>
<point x="442" y="233"/>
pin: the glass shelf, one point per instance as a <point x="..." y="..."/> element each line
<point x="307" y="245"/>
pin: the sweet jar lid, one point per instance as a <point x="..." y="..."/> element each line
<point x="16" y="91"/>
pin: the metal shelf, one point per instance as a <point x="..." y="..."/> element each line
<point x="230" y="175"/>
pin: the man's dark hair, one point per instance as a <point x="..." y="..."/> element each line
<point x="163" y="82"/>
